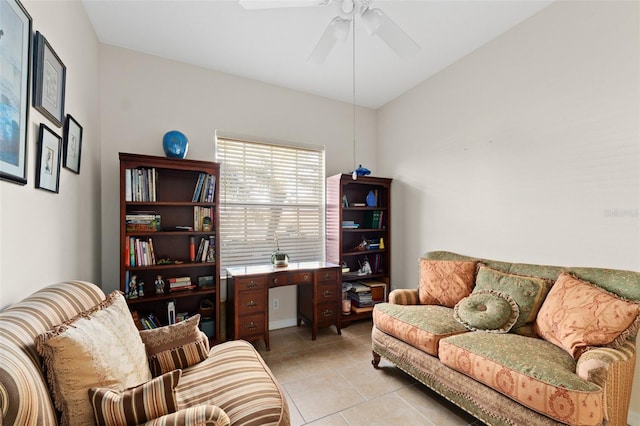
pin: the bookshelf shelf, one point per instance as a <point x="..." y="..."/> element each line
<point x="158" y="196"/>
<point x="348" y="225"/>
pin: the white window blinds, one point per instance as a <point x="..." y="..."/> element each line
<point x="269" y="190"/>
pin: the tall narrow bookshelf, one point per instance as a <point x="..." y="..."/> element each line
<point x="169" y="228"/>
<point x="358" y="229"/>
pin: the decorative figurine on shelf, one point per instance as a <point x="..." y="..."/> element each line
<point x="141" y="289"/>
<point x="159" y="285"/>
<point x="133" y="291"/>
<point x="365" y="268"/>
<point x="175" y="144"/>
<point x="360" y="171"/>
<point x="381" y="243"/>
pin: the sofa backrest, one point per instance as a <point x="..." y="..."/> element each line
<point x="24" y="396"/>
<point x="625" y="284"/>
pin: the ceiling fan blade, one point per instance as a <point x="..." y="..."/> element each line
<point x="338" y="29"/>
<point x="377" y="22"/>
<point x="274" y="4"/>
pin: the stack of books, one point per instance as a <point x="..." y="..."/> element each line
<point x="180" y="283"/>
<point x="350" y="224"/>
<point x="361" y="299"/>
<point x="373" y="219"/>
<point x="142" y="221"/>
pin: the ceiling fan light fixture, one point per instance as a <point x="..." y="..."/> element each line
<point x="338" y="30"/>
<point x="372" y="19"/>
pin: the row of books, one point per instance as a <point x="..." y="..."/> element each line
<point x="139" y="252"/>
<point x="140" y="184"/>
<point x="150" y="321"/>
<point x="205" y="189"/>
<point x="206" y="251"/>
<point x="202" y="218"/>
<point x="142" y="221"/>
<point x="373" y="219"/>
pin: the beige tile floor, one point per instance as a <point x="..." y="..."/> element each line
<point x="330" y="381"/>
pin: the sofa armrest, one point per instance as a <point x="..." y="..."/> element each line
<point x="612" y="369"/>
<point x="404" y="296"/>
<point x="199" y="415"/>
<point x="205" y="340"/>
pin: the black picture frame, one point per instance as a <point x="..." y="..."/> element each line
<point x="72" y="145"/>
<point x="49" y="154"/>
<point x="15" y="55"/>
<point x="49" y="78"/>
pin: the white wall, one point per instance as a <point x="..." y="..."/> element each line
<point x="47" y="237"/>
<point x="144" y="96"/>
<point x="525" y="150"/>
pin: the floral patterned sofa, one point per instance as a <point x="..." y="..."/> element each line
<point x="71" y="356"/>
<point x="516" y="344"/>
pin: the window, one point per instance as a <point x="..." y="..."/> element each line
<point x="270" y="191"/>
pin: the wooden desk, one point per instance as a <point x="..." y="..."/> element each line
<point x="319" y="289"/>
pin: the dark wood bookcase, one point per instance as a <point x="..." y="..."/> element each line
<point x="170" y="185"/>
<point x="350" y="220"/>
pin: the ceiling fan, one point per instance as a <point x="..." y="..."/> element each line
<point x="375" y="21"/>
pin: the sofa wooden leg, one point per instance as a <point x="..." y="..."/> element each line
<point x="376" y="360"/>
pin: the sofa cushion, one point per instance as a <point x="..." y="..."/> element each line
<point x="487" y="310"/>
<point x="98" y="348"/>
<point x="528" y="292"/>
<point x="235" y="378"/>
<point x="136" y="405"/>
<point x="533" y="372"/>
<point x="445" y="282"/>
<point x="421" y="326"/>
<point x="174" y="346"/>
<point x="577" y="316"/>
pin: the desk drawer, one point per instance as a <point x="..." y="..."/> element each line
<point x="327" y="314"/>
<point x="327" y="292"/>
<point x="279" y="279"/>
<point x="327" y="275"/>
<point x="251" y="325"/>
<point x="248" y="284"/>
<point x="251" y="301"/>
<point x="303" y="277"/>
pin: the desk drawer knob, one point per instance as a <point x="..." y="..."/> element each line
<point x="252" y="284"/>
<point x="305" y="277"/>
<point x="252" y="325"/>
<point x="326" y="276"/>
<point x="327" y="293"/>
<point x="275" y="281"/>
<point x="251" y="304"/>
<point x="327" y="312"/>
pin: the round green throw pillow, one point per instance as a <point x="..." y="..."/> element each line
<point x="487" y="310"/>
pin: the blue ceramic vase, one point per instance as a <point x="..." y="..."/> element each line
<point x="175" y="144"/>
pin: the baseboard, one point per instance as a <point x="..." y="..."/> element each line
<point x="633" y="419"/>
<point x="289" y="322"/>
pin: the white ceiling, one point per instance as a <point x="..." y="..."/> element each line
<point x="273" y="45"/>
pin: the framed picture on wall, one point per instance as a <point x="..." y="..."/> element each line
<point x="48" y="168"/>
<point x="48" y="81"/>
<point x="72" y="144"/>
<point x="15" y="65"/>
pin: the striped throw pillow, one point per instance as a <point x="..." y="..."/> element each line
<point x="137" y="405"/>
<point x="180" y="345"/>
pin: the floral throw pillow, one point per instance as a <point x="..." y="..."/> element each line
<point x="578" y="316"/>
<point x="445" y="282"/>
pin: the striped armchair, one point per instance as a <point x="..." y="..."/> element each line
<point x="232" y="385"/>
